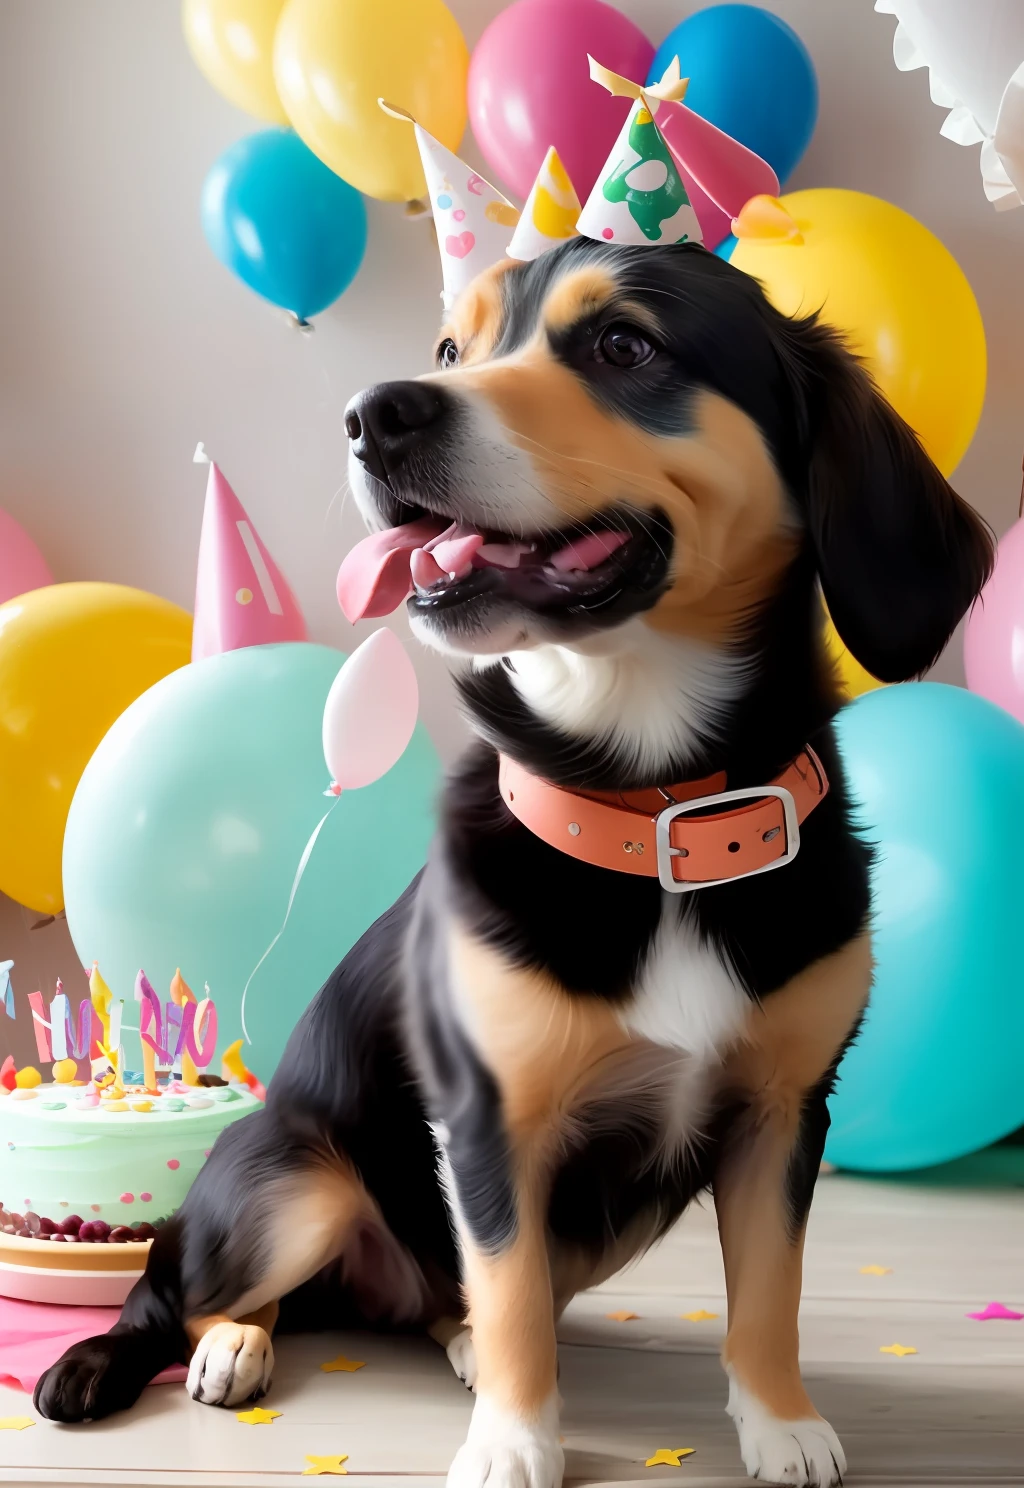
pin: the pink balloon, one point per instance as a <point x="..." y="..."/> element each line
<point x="22" y="566"/>
<point x="530" y="87"/>
<point x="242" y="597"/>
<point x="370" y="711"/>
<point x="994" y="638"/>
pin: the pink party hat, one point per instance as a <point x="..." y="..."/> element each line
<point x="242" y="598"/>
<point x="719" y="174"/>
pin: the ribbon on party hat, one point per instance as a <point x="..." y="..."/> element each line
<point x="471" y="216"/>
<point x="551" y="213"/>
<point x="714" y="167"/>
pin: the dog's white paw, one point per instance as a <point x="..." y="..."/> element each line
<point x="505" y="1451"/>
<point x="462" y="1357"/>
<point x="805" y="1453"/>
<point x="233" y="1363"/>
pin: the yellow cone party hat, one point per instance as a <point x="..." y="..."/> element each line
<point x="551" y="212"/>
<point x="639" y="196"/>
<point x="471" y="216"/>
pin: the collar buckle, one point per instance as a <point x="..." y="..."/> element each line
<point x="667" y="853"/>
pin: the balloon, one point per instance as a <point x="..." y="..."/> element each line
<point x="242" y="597"/>
<point x="936" y="1072"/>
<point x="994" y="638"/>
<point x="190" y="822"/>
<point x="751" y="75"/>
<point x="232" y="44"/>
<point x="370" y="713"/>
<point x="975" y="57"/>
<point x="72" y="657"/>
<point x="284" y="223"/>
<point x="530" y="87"/>
<point x="22" y="566"/>
<point x="333" y="59"/>
<point x="853" y="678"/>
<point x="899" y="297"/>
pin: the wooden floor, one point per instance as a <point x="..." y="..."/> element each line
<point x="951" y="1414"/>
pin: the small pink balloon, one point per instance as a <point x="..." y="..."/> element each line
<point x="994" y="638"/>
<point x="530" y="87"/>
<point x="370" y="711"/>
<point x="22" y="566"/>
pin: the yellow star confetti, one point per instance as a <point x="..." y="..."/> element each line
<point x="16" y="1423"/>
<point x="876" y="1270"/>
<point x="700" y="1316"/>
<point x="622" y="1317"/>
<point x="901" y="1350"/>
<point x="341" y="1365"/>
<point x="669" y="1456"/>
<point x="321" y="1465"/>
<point x="257" y="1416"/>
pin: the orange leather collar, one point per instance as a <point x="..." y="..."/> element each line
<point x="658" y="833"/>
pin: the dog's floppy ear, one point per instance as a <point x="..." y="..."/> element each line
<point x="900" y="556"/>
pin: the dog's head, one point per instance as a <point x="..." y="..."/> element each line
<point x="630" y="434"/>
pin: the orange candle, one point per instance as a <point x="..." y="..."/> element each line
<point x="181" y="993"/>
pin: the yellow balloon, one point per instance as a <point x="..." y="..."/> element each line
<point x="899" y="296"/>
<point x="334" y="58"/>
<point x="232" y="43"/>
<point x="72" y="657"/>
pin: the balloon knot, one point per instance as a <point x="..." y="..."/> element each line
<point x="334" y="789"/>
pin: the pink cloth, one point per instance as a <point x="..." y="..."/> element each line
<point x="33" y="1335"/>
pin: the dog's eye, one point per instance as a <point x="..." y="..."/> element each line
<point x="622" y="346"/>
<point x="448" y="353"/>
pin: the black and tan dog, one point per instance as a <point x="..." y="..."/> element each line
<point x="619" y="493"/>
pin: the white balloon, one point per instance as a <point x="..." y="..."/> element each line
<point x="974" y="52"/>
<point x="370" y="711"/>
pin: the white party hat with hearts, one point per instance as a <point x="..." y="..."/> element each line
<point x="551" y="212"/>
<point x="471" y="216"/>
<point x="639" y="196"/>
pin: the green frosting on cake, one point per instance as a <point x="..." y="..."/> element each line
<point x="61" y="1156"/>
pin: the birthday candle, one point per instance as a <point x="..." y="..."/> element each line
<point x="149" y="1013"/>
<point x="181" y="993"/>
<point x="101" y="997"/>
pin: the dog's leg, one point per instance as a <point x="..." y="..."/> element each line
<point x="513" y="1434"/>
<point x="763" y="1187"/>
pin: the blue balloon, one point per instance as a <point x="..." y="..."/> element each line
<point x="727" y="247"/>
<point x="188" y="825"/>
<point x="939" y="777"/>
<point x="751" y="75"/>
<point x="283" y="222"/>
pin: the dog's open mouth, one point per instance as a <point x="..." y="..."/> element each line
<point x="439" y="563"/>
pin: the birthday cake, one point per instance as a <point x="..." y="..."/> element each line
<point x="95" y="1160"/>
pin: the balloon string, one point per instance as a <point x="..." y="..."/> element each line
<point x="300" y="870"/>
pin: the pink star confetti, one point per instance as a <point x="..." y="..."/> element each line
<point x="995" y="1311"/>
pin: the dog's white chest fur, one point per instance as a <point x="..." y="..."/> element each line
<point x="686" y="998"/>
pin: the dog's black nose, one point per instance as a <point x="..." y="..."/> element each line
<point x="385" y="422"/>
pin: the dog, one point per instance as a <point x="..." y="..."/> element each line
<point x="618" y="500"/>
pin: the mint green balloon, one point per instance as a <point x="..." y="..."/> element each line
<point x="188" y="825"/>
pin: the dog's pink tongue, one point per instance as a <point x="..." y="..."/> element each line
<point x="374" y="579"/>
<point x="588" y="551"/>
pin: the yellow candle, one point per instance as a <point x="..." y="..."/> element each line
<point x="181" y="993"/>
<point x="101" y="996"/>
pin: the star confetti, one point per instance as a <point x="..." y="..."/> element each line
<point x="318" y="1466"/>
<point x="669" y="1456"/>
<point x="622" y="1317"/>
<point x="700" y="1316"/>
<point x="341" y="1365"/>
<point x="16" y="1423"/>
<point x="996" y="1311"/>
<point x="876" y="1270"/>
<point x="257" y="1416"/>
<point x="900" y="1350"/>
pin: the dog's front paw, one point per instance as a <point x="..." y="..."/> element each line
<point x="806" y="1453"/>
<point x="506" y="1451"/>
<point x="462" y="1357"/>
<point x="232" y="1363"/>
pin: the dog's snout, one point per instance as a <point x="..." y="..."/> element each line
<point x="385" y="422"/>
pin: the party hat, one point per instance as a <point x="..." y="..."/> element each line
<point x="471" y="216"/>
<point x="242" y="598"/>
<point x="551" y="212"/>
<point x="719" y="175"/>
